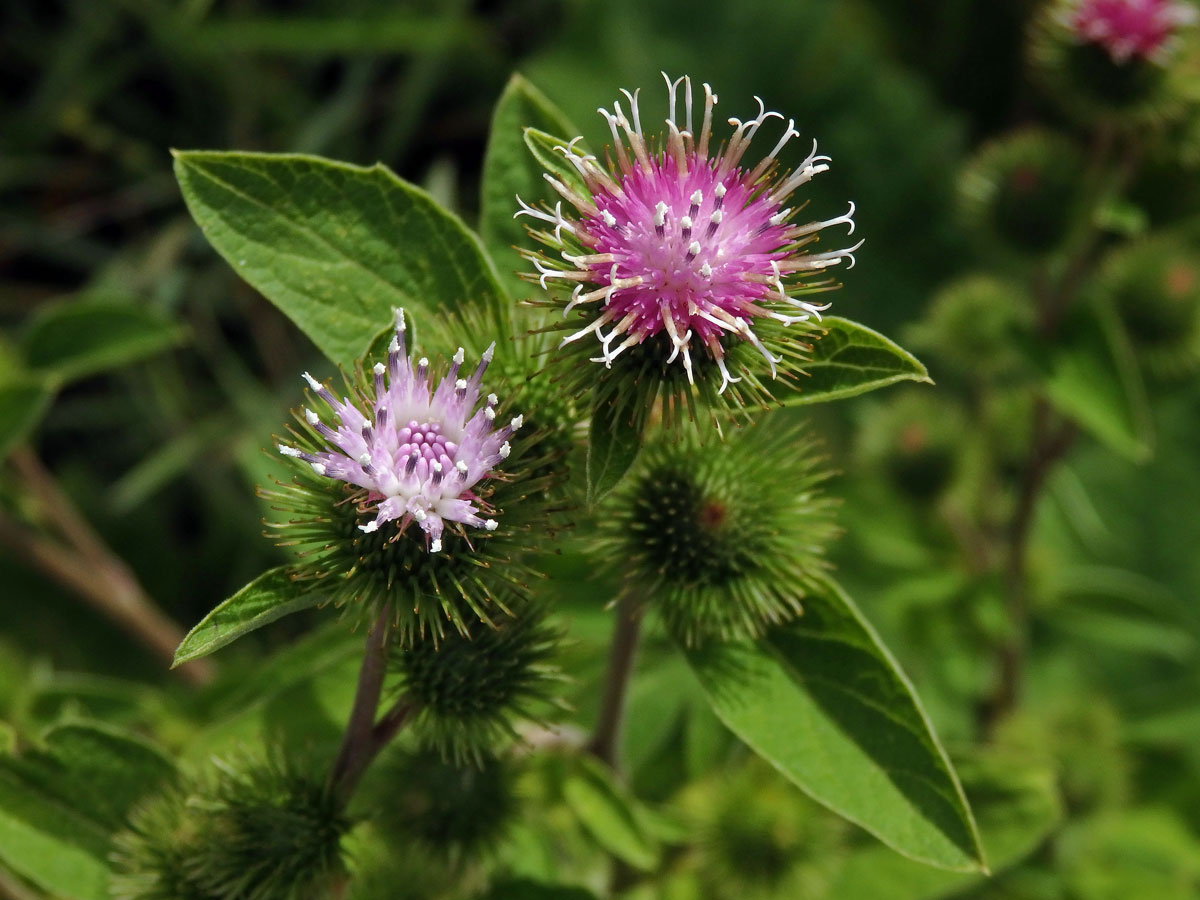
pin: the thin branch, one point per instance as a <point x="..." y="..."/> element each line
<point x="606" y="739"/>
<point x="83" y="563"/>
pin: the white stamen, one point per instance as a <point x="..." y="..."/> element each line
<point x="660" y="214"/>
<point x="420" y="515"/>
<point x="370" y="526"/>
<point x="364" y="459"/>
<point x="379" y="368"/>
<point x="312" y="382"/>
<point x="706" y="271"/>
<point x="461" y="384"/>
<point x="289" y="451"/>
<point x="459" y="355"/>
<point x="490" y="524"/>
<point x="609" y="219"/>
<point x="517" y="422"/>
<point x="311" y="417"/>
<point x="461" y="465"/>
<point x="319" y="468"/>
<point x="399" y="314"/>
<point x="505" y="449"/>
<point x="435" y="546"/>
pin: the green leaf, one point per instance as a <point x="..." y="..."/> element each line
<point x="270" y="596"/>
<point x="851" y="359"/>
<point x="75" y="340"/>
<point x="23" y="401"/>
<point x="608" y="814"/>
<point x="613" y="445"/>
<point x="49" y="844"/>
<point x="1018" y="808"/>
<point x="823" y="701"/>
<point x="1094" y="380"/>
<point x="336" y="247"/>
<point x="61" y="802"/>
<point x="509" y="172"/>
<point x="548" y="151"/>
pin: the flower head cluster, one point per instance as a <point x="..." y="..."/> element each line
<point x="1130" y="29"/>
<point x="418" y="452"/>
<point x="681" y="250"/>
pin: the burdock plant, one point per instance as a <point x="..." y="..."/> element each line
<point x="426" y="498"/>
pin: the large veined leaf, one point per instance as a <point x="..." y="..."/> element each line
<point x="608" y="813"/>
<point x="336" y="247"/>
<point x="851" y="359"/>
<point x="823" y="701"/>
<point x="270" y="596"/>
<point x="510" y="171"/>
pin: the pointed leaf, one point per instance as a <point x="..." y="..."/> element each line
<point x="823" y="701"/>
<point x="1094" y="380"/>
<point x="75" y="340"/>
<point x="608" y="814"/>
<point x="335" y="246"/>
<point x="509" y="172"/>
<point x="270" y="596"/>
<point x="851" y="359"/>
<point x="613" y="445"/>
<point x="23" y="401"/>
<point x="1018" y="808"/>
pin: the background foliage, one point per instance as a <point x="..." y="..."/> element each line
<point x="146" y="376"/>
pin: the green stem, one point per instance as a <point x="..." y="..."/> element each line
<point x="606" y="739"/>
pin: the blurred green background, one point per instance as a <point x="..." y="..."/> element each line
<point x="161" y="456"/>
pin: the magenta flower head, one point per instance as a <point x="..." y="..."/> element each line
<point x="1130" y="28"/>
<point x="402" y="502"/>
<point x="685" y="261"/>
<point x="418" y="452"/>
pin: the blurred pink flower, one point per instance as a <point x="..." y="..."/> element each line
<point x="1130" y="28"/>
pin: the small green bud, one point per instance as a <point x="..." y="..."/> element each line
<point x="722" y="538"/>
<point x="1154" y="285"/>
<point x="1021" y="192"/>
<point x="470" y="687"/>
<point x="976" y="325"/>
<point x="448" y="809"/>
<point x="914" y="440"/>
<point x="250" y="831"/>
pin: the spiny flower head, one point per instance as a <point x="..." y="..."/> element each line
<point x="408" y="449"/>
<point x="417" y="451"/>
<point x="1130" y="28"/>
<point x="679" y="253"/>
<point x="725" y="540"/>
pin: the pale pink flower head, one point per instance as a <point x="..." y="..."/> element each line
<point x="1129" y="29"/>
<point x="419" y="452"/>
<point x="679" y="249"/>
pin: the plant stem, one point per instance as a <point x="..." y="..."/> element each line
<point x="363" y="738"/>
<point x="606" y="739"/>
<point x="85" y="565"/>
<point x="1051" y="441"/>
